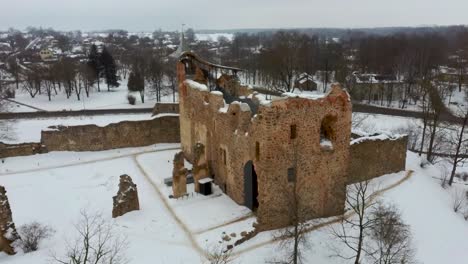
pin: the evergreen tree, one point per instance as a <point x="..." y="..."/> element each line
<point x="94" y="63"/>
<point x="131" y="82"/>
<point x="110" y="69"/>
<point x="136" y="83"/>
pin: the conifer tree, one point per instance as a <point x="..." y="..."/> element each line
<point x="110" y="69"/>
<point x="136" y="83"/>
<point x="94" y="63"/>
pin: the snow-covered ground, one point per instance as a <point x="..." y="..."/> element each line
<point x="177" y="231"/>
<point x="114" y="99"/>
<point x="457" y="102"/>
<point x="383" y="123"/>
<point x="29" y="130"/>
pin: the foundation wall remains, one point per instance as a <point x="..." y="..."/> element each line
<point x="165" y="108"/>
<point x="163" y="129"/>
<point x="376" y="156"/>
<point x="23" y="149"/>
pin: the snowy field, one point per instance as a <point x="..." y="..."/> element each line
<point x="29" y="130"/>
<point x="372" y="123"/>
<point x="114" y="99"/>
<point x="178" y="231"/>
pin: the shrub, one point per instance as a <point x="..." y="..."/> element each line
<point x="131" y="99"/>
<point x="458" y="201"/>
<point x="32" y="234"/>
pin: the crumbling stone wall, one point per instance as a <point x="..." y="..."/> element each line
<point x="232" y="138"/>
<point x="200" y="166"/>
<point x="164" y="129"/>
<point x="165" y="108"/>
<point x="126" y="199"/>
<point x="289" y="139"/>
<point x="8" y="234"/>
<point x="179" y="176"/>
<point x="376" y="156"/>
<point x="23" y="149"/>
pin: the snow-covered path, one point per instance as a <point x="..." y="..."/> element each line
<point x="179" y="222"/>
<point x="52" y="188"/>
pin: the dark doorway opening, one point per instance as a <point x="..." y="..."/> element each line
<point x="250" y="186"/>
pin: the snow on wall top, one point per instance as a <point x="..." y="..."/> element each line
<point x="304" y="95"/>
<point x="243" y="106"/>
<point x="373" y="137"/>
<point x="196" y="85"/>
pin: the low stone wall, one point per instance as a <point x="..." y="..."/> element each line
<point x="165" y="108"/>
<point x="376" y="156"/>
<point x="162" y="129"/>
<point x="23" y="149"/>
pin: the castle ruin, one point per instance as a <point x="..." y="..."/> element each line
<point x="260" y="151"/>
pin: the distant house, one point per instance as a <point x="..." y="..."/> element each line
<point x="306" y="82"/>
<point x="375" y="87"/>
<point x="46" y="54"/>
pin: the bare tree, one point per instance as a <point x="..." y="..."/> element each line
<point x="87" y="77"/>
<point x="32" y="82"/>
<point x="389" y="237"/>
<point x="32" y="234"/>
<point x="156" y="76"/>
<point x="96" y="243"/>
<point x="351" y="231"/>
<point x="14" y="69"/>
<point x="437" y="107"/>
<point x="458" y="200"/>
<point x="48" y="81"/>
<point x="459" y="144"/>
<point x="219" y="255"/>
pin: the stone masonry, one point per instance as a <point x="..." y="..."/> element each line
<point x="179" y="176"/>
<point x="261" y="151"/>
<point x="163" y="129"/>
<point x="126" y="199"/>
<point x="200" y="167"/>
<point x="282" y="138"/>
<point x="8" y="234"/>
<point x="375" y="156"/>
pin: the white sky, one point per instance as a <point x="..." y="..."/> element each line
<point x="226" y="14"/>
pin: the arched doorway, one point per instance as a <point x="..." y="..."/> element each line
<point x="250" y="186"/>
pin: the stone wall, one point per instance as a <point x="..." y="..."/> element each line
<point x="23" y="149"/>
<point x="165" y="108"/>
<point x="233" y="139"/>
<point x="8" y="234"/>
<point x="126" y="199"/>
<point x="376" y="156"/>
<point x="163" y="129"/>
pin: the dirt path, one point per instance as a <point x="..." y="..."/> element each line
<point x="347" y="215"/>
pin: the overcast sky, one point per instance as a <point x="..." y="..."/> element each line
<point x="138" y="15"/>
